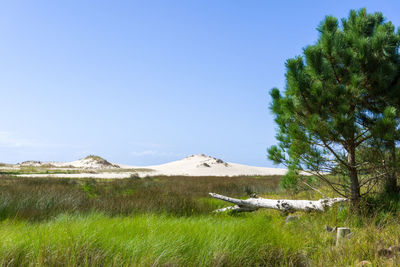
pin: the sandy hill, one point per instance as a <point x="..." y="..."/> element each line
<point x="89" y="162"/>
<point x="195" y="165"/>
<point x="203" y="165"/>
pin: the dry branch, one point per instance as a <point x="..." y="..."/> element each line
<point x="284" y="205"/>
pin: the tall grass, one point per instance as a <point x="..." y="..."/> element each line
<point x="152" y="240"/>
<point x="43" y="198"/>
<point x="167" y="221"/>
<point x="256" y="239"/>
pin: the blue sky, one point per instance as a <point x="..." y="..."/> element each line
<point x="146" y="82"/>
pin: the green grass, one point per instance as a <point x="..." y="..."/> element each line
<point x="154" y="240"/>
<point x="257" y="239"/>
<point x="168" y="221"/>
<point x="44" y="198"/>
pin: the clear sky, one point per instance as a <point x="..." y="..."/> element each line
<point x="146" y="82"/>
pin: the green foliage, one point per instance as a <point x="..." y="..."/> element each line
<point x="89" y="187"/>
<point x="291" y="181"/>
<point x="339" y="94"/>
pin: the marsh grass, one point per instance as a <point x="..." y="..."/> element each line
<point x="256" y="239"/>
<point x="44" y="198"/>
<point x="167" y="221"/>
<point x="153" y="240"/>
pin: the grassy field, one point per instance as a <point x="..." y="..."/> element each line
<point x="44" y="198"/>
<point x="168" y="221"/>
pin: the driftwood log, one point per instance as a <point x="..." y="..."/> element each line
<point x="284" y="205"/>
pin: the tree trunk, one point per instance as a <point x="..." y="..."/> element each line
<point x="391" y="180"/>
<point x="354" y="183"/>
<point x="284" y="205"/>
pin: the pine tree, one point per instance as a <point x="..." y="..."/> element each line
<point x="336" y="100"/>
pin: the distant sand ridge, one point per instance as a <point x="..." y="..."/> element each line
<point x="195" y="165"/>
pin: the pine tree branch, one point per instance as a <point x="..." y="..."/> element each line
<point x="330" y="57"/>
<point x="336" y="155"/>
<point x="330" y="183"/>
<point x="315" y="189"/>
<point x="363" y="140"/>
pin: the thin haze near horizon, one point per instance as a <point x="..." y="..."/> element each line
<point x="146" y="82"/>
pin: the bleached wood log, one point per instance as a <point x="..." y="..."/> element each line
<point x="285" y="205"/>
<point x="236" y="208"/>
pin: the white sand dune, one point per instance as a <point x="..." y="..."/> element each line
<point x="202" y="165"/>
<point x="89" y="162"/>
<point x="195" y="165"/>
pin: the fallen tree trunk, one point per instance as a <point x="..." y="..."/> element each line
<point x="284" y="205"/>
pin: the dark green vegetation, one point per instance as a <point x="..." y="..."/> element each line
<point x="340" y="109"/>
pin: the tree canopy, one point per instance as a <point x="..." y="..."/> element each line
<point x="341" y="98"/>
